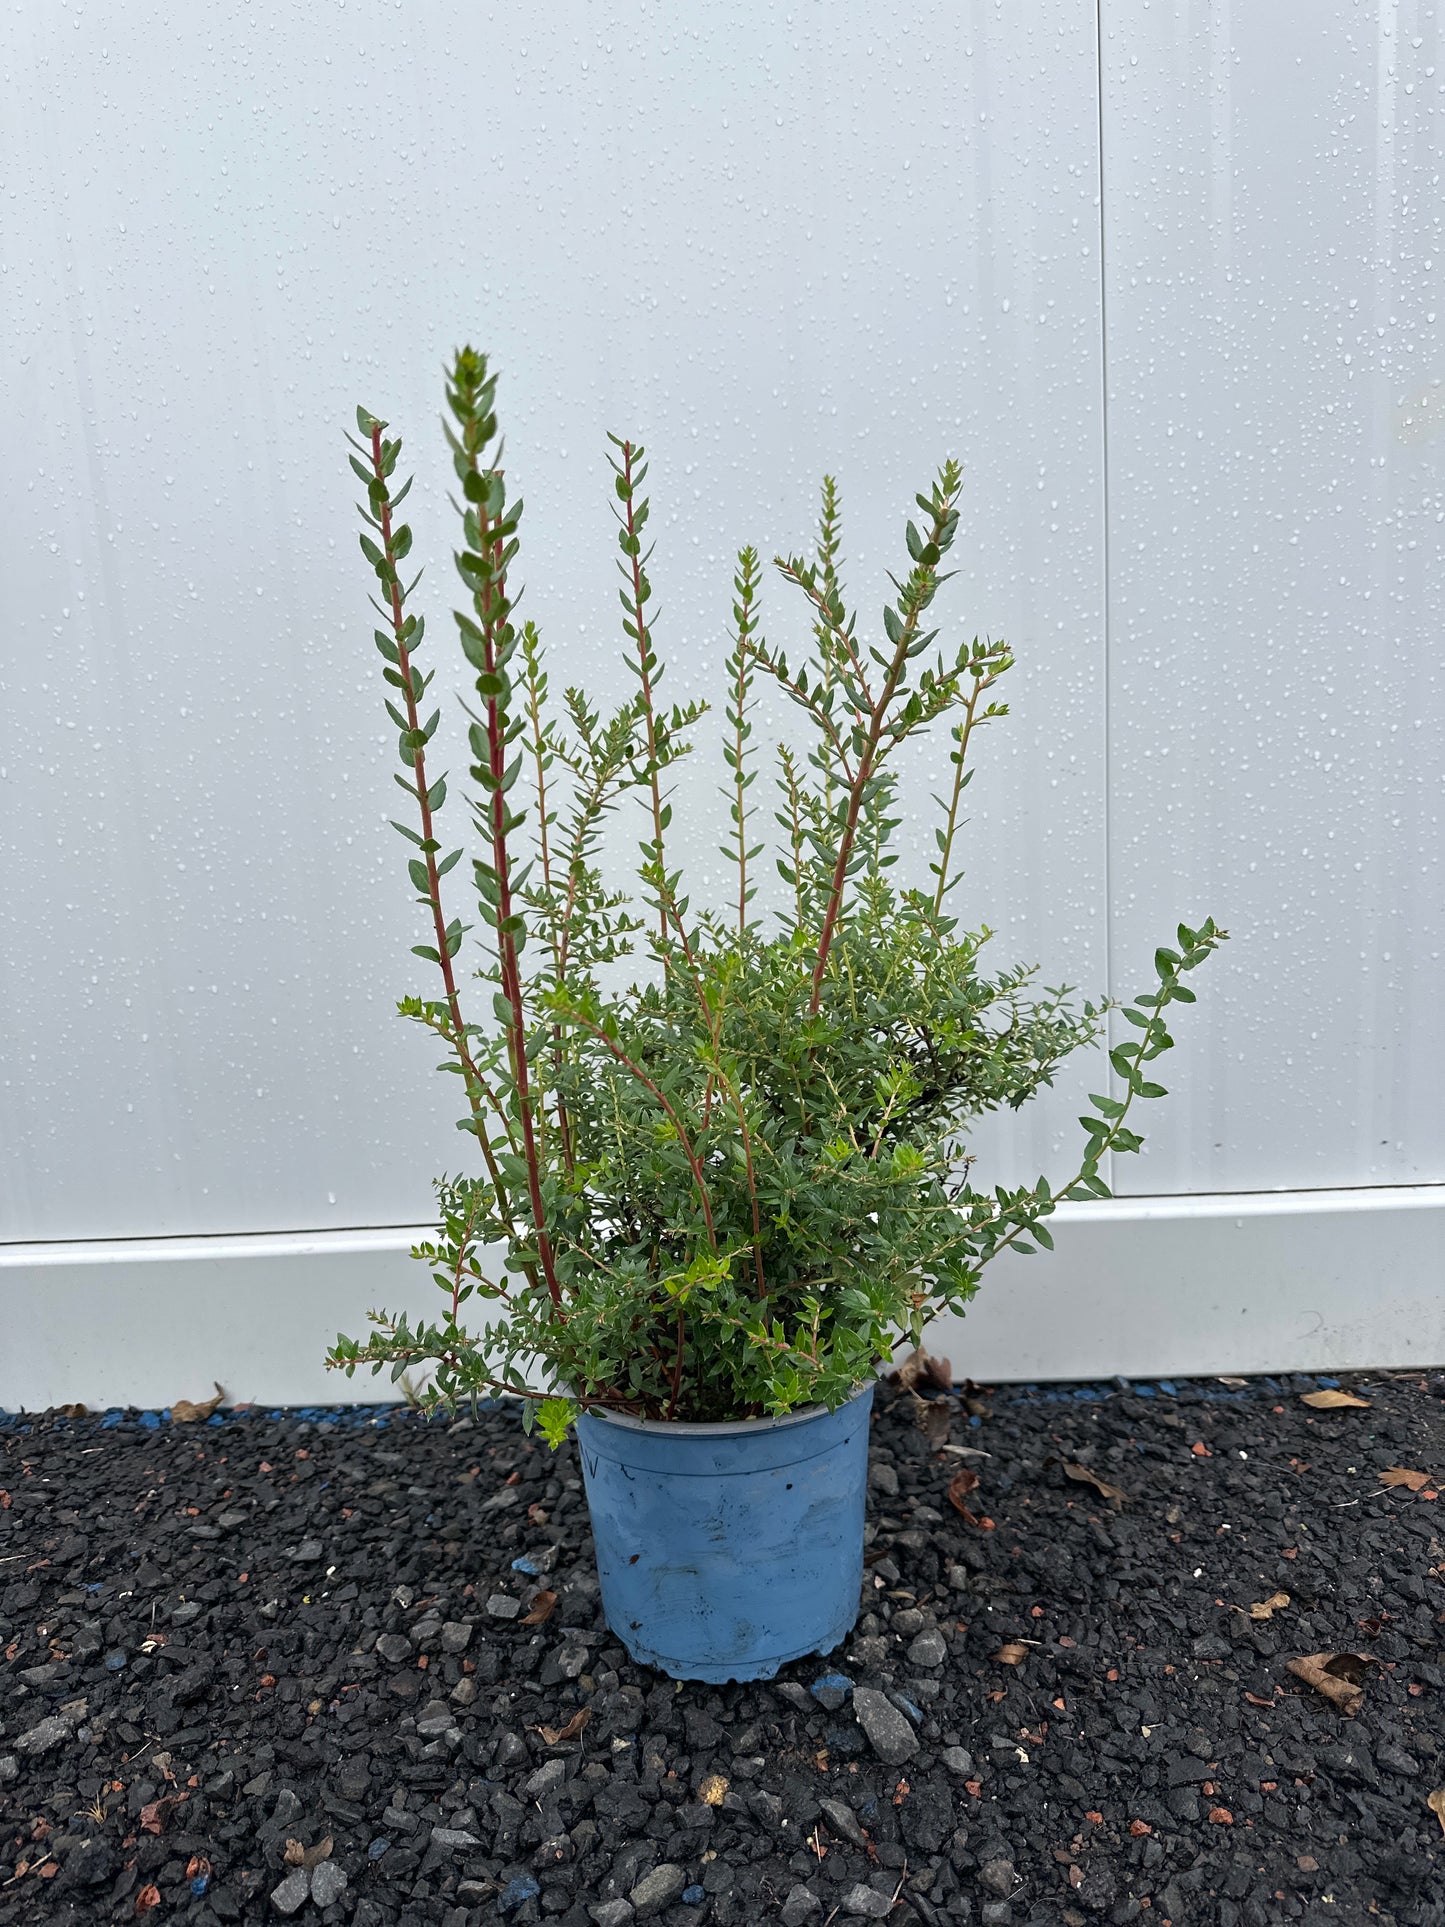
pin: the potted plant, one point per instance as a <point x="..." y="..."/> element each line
<point x="718" y="1167"/>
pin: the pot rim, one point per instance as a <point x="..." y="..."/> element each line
<point x="723" y="1428"/>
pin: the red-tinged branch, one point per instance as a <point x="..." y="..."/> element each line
<point x="608" y="1398"/>
<point x="752" y="1196"/>
<point x="915" y="604"/>
<point x="676" y="1369"/>
<point x="740" y="785"/>
<point x="643" y="653"/>
<point x="827" y="621"/>
<point x="635" y="1070"/>
<point x="815" y="709"/>
<point x="980" y="684"/>
<point x="506" y="939"/>
<point x="458" y="1039"/>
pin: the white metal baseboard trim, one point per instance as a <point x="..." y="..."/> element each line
<point x="1144" y="1287"/>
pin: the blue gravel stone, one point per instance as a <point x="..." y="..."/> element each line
<point x="694" y="1896"/>
<point x="524" y="1564"/>
<point x="377" y="1848"/>
<point x="843" y="1740"/>
<point x="524" y="1887"/>
<point x="832" y="1690"/>
<point x="200" y="1884"/>
<point x="115" y="1662"/>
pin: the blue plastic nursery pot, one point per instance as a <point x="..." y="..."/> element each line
<point x="724" y="1551"/>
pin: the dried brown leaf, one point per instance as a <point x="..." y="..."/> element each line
<point x="1336" y="1675"/>
<point x="185" y="1412"/>
<point x="1012" y="1653"/>
<point x="1266" y="1608"/>
<point x="1436" y="1803"/>
<point x="1397" y="1475"/>
<point x="544" y="1604"/>
<point x="559" y="1735"/>
<point x="153" y="1817"/>
<point x="920" y="1369"/>
<point x="308" y="1857"/>
<point x="147" y="1898"/>
<point x="1081" y="1475"/>
<point x="1331" y="1401"/>
<point x="932" y="1417"/>
<point x="959" y="1486"/>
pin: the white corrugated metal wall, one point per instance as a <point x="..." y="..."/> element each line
<point x="1164" y="277"/>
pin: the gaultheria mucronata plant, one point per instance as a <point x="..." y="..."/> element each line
<point x="729" y="1188"/>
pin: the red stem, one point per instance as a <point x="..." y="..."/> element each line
<point x="636" y="1070"/>
<point x="636" y="560"/>
<point x="506" y="943"/>
<point x="676" y="1369"/>
<point x="470" y="1075"/>
<point x="855" y="794"/>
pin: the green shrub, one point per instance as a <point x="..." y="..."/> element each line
<point x="730" y="1187"/>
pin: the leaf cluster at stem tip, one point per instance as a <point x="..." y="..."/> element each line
<point x="717" y="1158"/>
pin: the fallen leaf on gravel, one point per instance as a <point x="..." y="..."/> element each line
<point x="1436" y="1803"/>
<point x="959" y="1486"/>
<point x="184" y="1412"/>
<point x="544" y="1604"/>
<point x="1255" y="1700"/>
<point x="1336" y="1675"/>
<point x="1011" y="1653"/>
<point x="1397" y="1475"/>
<point x="147" y="1898"/>
<point x="1266" y="1608"/>
<point x="919" y="1369"/>
<point x="1330" y="1401"/>
<point x="1081" y="1475"/>
<point x="308" y="1857"/>
<point x="154" y="1816"/>
<point x="557" y="1735"/>
<point x="932" y="1417"/>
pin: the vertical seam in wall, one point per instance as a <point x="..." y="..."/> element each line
<point x="1104" y="556"/>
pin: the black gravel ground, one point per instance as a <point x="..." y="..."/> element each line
<point x="284" y="1665"/>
